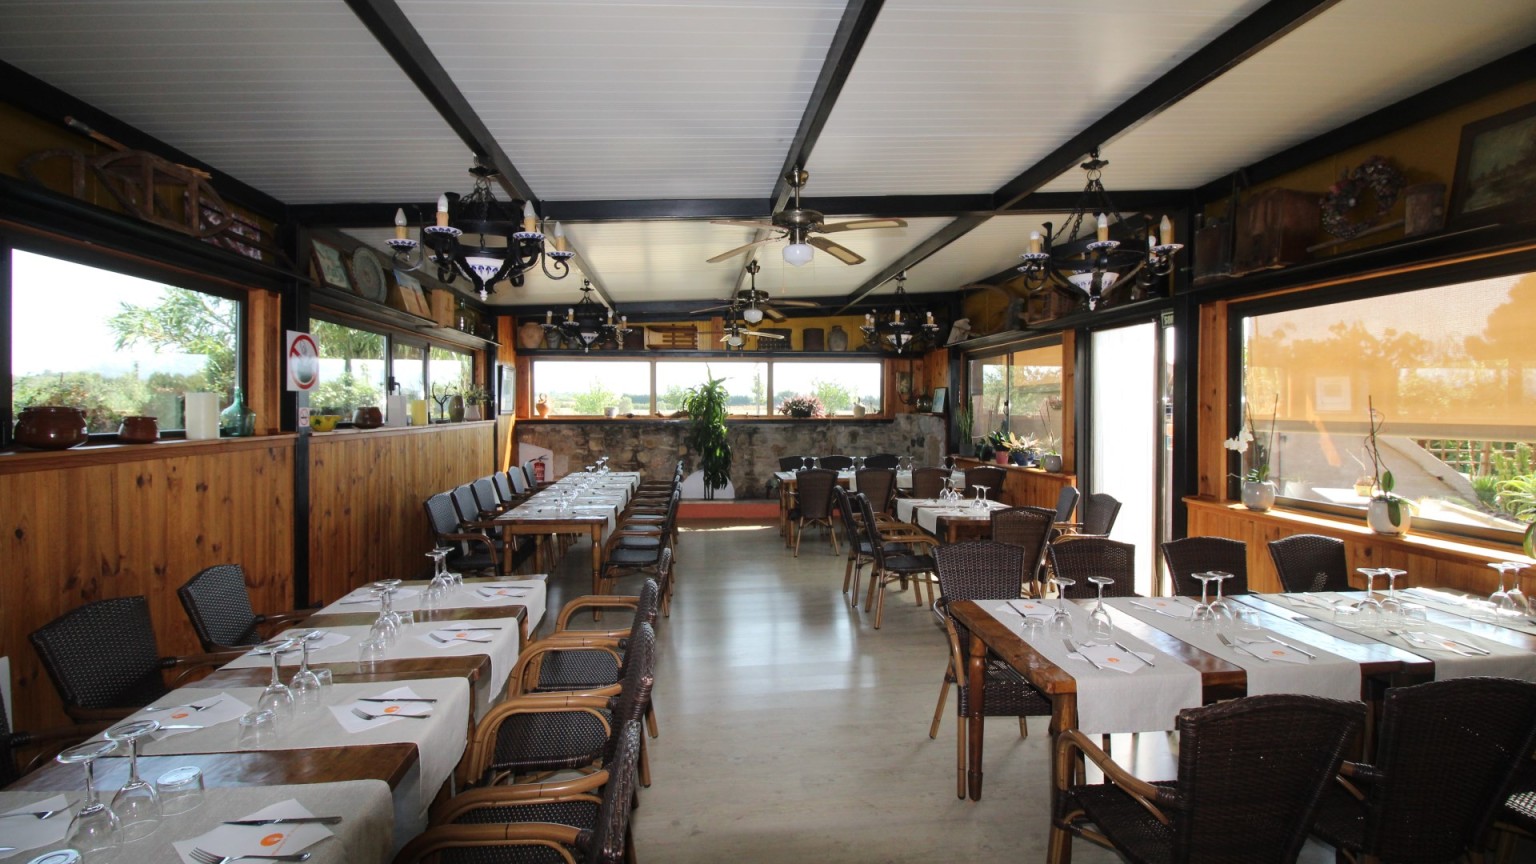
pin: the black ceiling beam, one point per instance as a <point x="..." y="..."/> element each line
<point x="359" y="214"/>
<point x="1490" y="78"/>
<point x="941" y="238"/>
<point x="410" y="52"/>
<point x="38" y="97"/>
<point x="858" y="19"/>
<point x="656" y="209"/>
<point x="1247" y="37"/>
<point x="1128" y="200"/>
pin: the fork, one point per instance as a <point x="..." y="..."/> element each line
<point x="40" y="814"/>
<point x="205" y="857"/>
<point x="366" y="716"/>
<point x="194" y="706"/>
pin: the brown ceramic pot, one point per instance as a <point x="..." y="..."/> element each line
<point x="51" y="427"/>
<point x="368" y="417"/>
<point x="138" y="430"/>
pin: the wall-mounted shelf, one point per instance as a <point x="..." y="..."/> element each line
<point x="458" y="337"/>
<point x="341" y="301"/>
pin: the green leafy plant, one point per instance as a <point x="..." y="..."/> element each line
<point x="1384" y="482"/>
<point x="706" y="407"/>
<point x="1258" y="468"/>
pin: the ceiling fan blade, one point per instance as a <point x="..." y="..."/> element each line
<point x="739" y="249"/>
<point x="771" y="312"/>
<point x="803" y="304"/>
<point x="745" y="223"/>
<point x="841" y="253"/>
<point x="861" y="224"/>
<point x="712" y="309"/>
<point x="762" y="335"/>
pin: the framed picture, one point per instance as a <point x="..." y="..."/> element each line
<point x="329" y="265"/>
<point x="1496" y="169"/>
<point x="903" y="384"/>
<point x="1333" y="394"/>
<point x="412" y="299"/>
<point x="506" y="389"/>
<point x="940" y="399"/>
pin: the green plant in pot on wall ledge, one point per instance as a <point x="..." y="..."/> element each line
<point x="1387" y="513"/>
<point x="1258" y="491"/>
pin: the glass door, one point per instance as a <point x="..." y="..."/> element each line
<point x="1126" y="431"/>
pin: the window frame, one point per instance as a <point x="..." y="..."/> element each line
<point x="393" y="336"/>
<point x="1007" y="350"/>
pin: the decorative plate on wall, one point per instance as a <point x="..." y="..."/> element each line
<point x="368" y="274"/>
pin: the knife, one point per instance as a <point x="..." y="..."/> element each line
<point x="392" y="699"/>
<point x="1135" y="654"/>
<point x="1073" y="649"/>
<point x="1293" y="647"/>
<point x="1158" y="611"/>
<point x="291" y="820"/>
<point x="466" y="629"/>
<point x="1230" y="644"/>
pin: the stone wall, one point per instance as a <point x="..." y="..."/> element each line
<point x="654" y="446"/>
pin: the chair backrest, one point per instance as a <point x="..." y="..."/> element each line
<point x="990" y="476"/>
<point x="1446" y="753"/>
<point x="504" y="491"/>
<point x="102" y="654"/>
<point x="928" y="482"/>
<point x="219" y="604"/>
<point x="836" y="463"/>
<point x="518" y="480"/>
<point x="1029" y="528"/>
<point x="464" y="503"/>
<point x="791" y="463"/>
<point x="1310" y="562"/>
<point x="882" y="460"/>
<point x="484" y="491"/>
<point x="635" y="686"/>
<point x="531" y="474"/>
<point x="1191" y="555"/>
<point x="1099" y="513"/>
<point x="664" y="575"/>
<point x="1077" y="558"/>
<point x="1251" y="774"/>
<point x="441" y="516"/>
<point x="879" y="485"/>
<point x="847" y="507"/>
<point x="1066" y="502"/>
<point x="813" y="492"/>
<point x="979" y="570"/>
<point x="604" y="842"/>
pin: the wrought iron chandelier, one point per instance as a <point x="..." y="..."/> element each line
<point x="902" y="328"/>
<point x="480" y="216"/>
<point x="1093" y="266"/>
<point x="588" y="323"/>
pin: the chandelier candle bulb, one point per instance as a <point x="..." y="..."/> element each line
<point x="1151" y="241"/>
<point x="400" y="224"/>
<point x="549" y="316"/>
<point x="570" y="314"/>
<point x="897" y="317"/>
<point x="930" y="318"/>
<point x="530" y="218"/>
<point x="559" y="237"/>
<point x="1165" y="228"/>
<point x="1103" y="227"/>
<point x="442" y="210"/>
<point x="1034" y="241"/>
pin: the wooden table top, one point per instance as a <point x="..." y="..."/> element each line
<point x="461" y="613"/>
<point x="387" y="762"/>
<point x="468" y="666"/>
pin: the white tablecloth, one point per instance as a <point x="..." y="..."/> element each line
<point x="1463" y="604"/>
<point x="530" y="593"/>
<point x="928" y="517"/>
<point x="1108" y="700"/>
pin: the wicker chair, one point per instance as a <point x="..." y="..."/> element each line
<point x="990" y="476"/>
<point x="1517" y="815"/>
<point x="104" y="662"/>
<point x="1445" y="756"/>
<point x="882" y="460"/>
<point x="539" y="734"/>
<point x="929" y="482"/>
<point x="980" y="570"/>
<point x="1251" y="773"/>
<point x="878" y="485"/>
<point x="219" y="604"/>
<point x="586" y="818"/>
<point x="836" y="463"/>
<point x="1066" y="502"/>
<point x="638" y="550"/>
<point x="1030" y="529"/>
<point x="44" y="742"/>
<point x="792" y="463"/>
<point x="898" y="566"/>
<point x="1077" y="558"/>
<point x="813" y="504"/>
<point x="1098" y="511"/>
<point x="473" y="551"/>
<point x="1192" y="555"/>
<point x="1310" y="562"/>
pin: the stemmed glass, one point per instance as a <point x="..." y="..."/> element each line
<point x="1505" y="601"/>
<point x="1204" y="615"/>
<point x="1221" y="610"/>
<point x="1392" y="607"/>
<point x="137" y="804"/>
<point x="94" y="828"/>
<point x="1370" y="607"/>
<point x="277" y="697"/>
<point x="1099" y="624"/>
<point x="306" y="684"/>
<point x="980" y="502"/>
<point x="1061" y="623"/>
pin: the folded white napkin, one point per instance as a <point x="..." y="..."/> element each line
<point x="383" y="713"/>
<point x="1272" y="651"/>
<point x="1165" y="607"/>
<point x="1031" y="608"/>
<point x="180" y="714"/>
<point x="1110" y="657"/>
<point x="494" y="591"/>
<point x="364" y="595"/>
<point x="450" y="638"/>
<point x="30" y="832"/>
<point x="281" y="839"/>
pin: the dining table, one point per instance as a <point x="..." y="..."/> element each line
<point x="951" y="520"/>
<point x="848" y="479"/>
<point x="580" y="504"/>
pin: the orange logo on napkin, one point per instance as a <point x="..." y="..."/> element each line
<point x="180" y="715"/>
<point x="391" y="709"/>
<point x="1112" y="660"/>
<point x="461" y="635"/>
<point x="273" y="839"/>
<point x="1278" y="652"/>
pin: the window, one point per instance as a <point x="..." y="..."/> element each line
<point x="590" y="387"/>
<point x="839" y="386"/>
<point x="1019" y="392"/>
<point x="746" y="382"/>
<point x="116" y="345"/>
<point x="587" y="387"/>
<point x="408" y="368"/>
<point x="1452" y="369"/>
<point x="450" y="369"/>
<point x="351" y="368"/>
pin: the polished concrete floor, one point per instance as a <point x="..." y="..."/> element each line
<point x="792" y="730"/>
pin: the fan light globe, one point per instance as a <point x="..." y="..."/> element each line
<point x="798" y="254"/>
<point x="752" y="315"/>
<point x="735" y="341"/>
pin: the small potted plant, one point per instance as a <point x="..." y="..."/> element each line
<point x="1258" y="491"/>
<point x="475" y="400"/>
<point x="801" y="405"/>
<point x="1387" y="513"/>
<point x="1051" y="461"/>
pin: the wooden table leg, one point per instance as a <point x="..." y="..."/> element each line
<point x="1063" y="717"/>
<point x="597" y="558"/>
<point x="976" y="675"/>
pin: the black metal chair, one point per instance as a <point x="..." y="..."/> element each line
<point x="836" y="463"/>
<point x="928" y="482"/>
<point x="980" y="570"/>
<point x="1029" y="528"/>
<point x="103" y="660"/>
<point x="1077" y="558"/>
<point x="218" y="601"/>
<point x="1310" y="562"/>
<point x="1190" y="555"/>
<point x="792" y="463"/>
<point x="990" y="476"/>
<point x="1251" y="773"/>
<point x="878" y="485"/>
<point x="882" y="460"/>
<point x="891" y="567"/>
<point x="813" y="504"/>
<point x="1446" y="754"/>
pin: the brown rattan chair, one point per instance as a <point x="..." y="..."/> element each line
<point x="813" y="504"/>
<point x="928" y="482"/>
<point x="1445" y="756"/>
<point x="878" y="485"/>
<point x="586" y="819"/>
<point x="1191" y="555"/>
<point x="1310" y="562"/>
<point x="1077" y="558"/>
<point x="1251" y="773"/>
<point x="990" y="476"/>
<point x="835" y="463"/>
<point x="882" y="460"/>
<point x="1030" y="529"/>
<point x="218" y="601"/>
<point x="792" y="463"/>
<point x="898" y="566"/>
<point x="980" y="570"/>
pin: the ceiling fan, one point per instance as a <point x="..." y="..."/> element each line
<point x="753" y="304"/>
<point x="736" y="335"/>
<point x="800" y="226"/>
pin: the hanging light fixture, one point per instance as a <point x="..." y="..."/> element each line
<point x="459" y="240"/>
<point x="902" y="328"/>
<point x="1094" y="266"/>
<point x="588" y="323"/>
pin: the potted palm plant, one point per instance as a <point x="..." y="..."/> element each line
<point x="706" y="408"/>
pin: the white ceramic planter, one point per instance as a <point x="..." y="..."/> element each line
<point x="1380" y="520"/>
<point x="1258" y="494"/>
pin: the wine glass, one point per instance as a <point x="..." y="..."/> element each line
<point x="980" y="502"/>
<point x="1221" y="610"/>
<point x="1061" y="623"/>
<point x="1506" y="601"/>
<point x="277" y="697"/>
<point x="306" y="685"/>
<point x="1100" y="626"/>
<point x="1392" y="607"/>
<point x="137" y="804"/>
<point x="94" y="831"/>
<point x="1204" y="615"/>
<point x="1370" y="607"/>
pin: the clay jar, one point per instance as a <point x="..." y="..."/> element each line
<point x="138" y="430"/>
<point x="50" y="427"/>
<point x="368" y="417"/>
